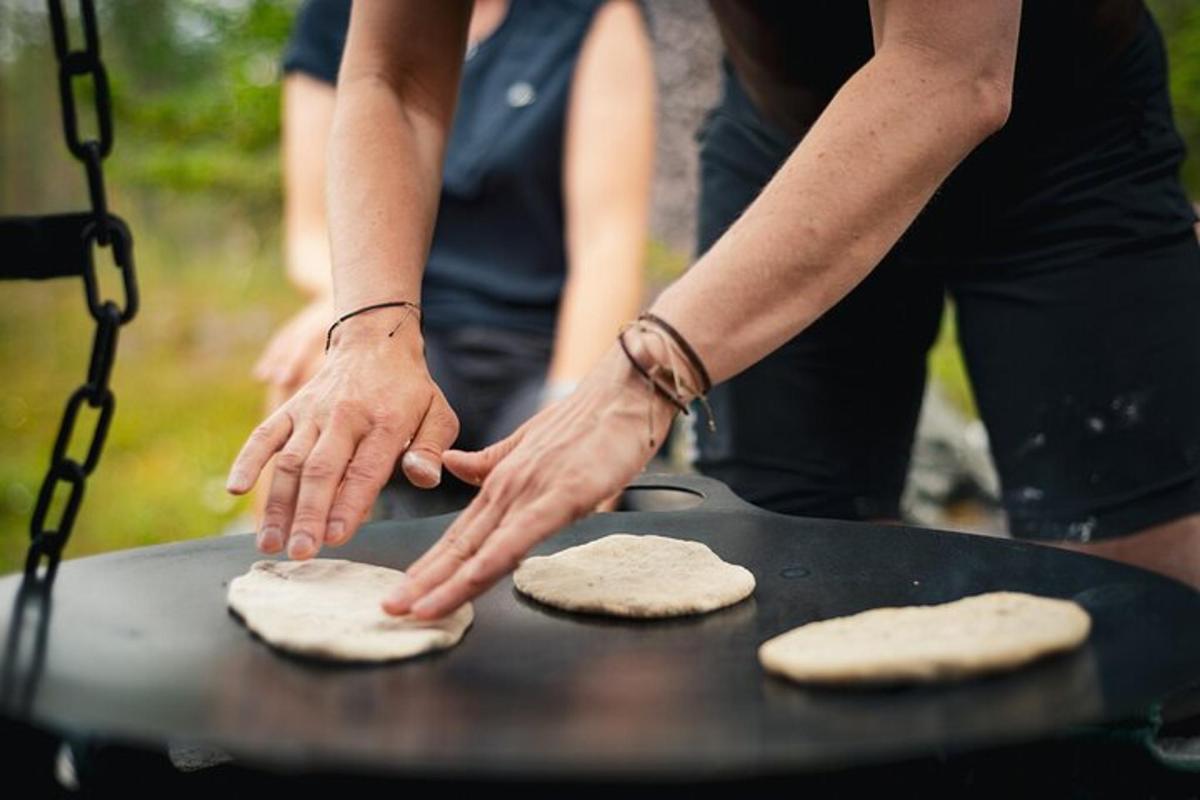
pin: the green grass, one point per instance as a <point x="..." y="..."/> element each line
<point x="185" y="399"/>
<point x="946" y="366"/>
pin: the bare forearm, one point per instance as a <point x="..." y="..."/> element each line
<point x="610" y="121"/>
<point x="385" y="165"/>
<point x="307" y="257"/>
<point x="600" y="295"/>
<point x="859" y="178"/>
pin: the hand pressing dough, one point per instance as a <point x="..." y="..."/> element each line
<point x="920" y="644"/>
<point x="634" y="576"/>
<point x="330" y="608"/>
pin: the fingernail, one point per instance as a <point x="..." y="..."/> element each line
<point x="269" y="540"/>
<point x="422" y="467"/>
<point x="400" y="598"/>
<point x="335" y="532"/>
<point x="234" y="482"/>
<point x="301" y="546"/>
<point x="423" y="607"/>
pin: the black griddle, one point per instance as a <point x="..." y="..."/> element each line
<point x="139" y="648"/>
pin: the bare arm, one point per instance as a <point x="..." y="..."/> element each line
<point x="293" y="354"/>
<point x="396" y="92"/>
<point x="938" y="85"/>
<point x="607" y="169"/>
<point x="307" y="119"/>
<point x="339" y="438"/>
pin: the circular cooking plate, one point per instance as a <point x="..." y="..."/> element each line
<point x="140" y="648"/>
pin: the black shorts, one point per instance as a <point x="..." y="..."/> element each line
<point x="1070" y="256"/>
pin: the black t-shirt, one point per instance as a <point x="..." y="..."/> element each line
<point x="793" y="55"/>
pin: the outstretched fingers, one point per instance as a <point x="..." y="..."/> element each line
<point x="474" y="467"/>
<point x="458" y="544"/>
<point x="366" y="474"/>
<point x="263" y="442"/>
<point x="319" y="480"/>
<point x="522" y="527"/>
<point x="285" y="482"/>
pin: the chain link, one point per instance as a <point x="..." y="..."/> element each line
<point x="47" y="539"/>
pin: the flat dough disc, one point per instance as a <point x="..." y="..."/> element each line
<point x="330" y="608"/>
<point x="921" y="644"/>
<point x="635" y="576"/>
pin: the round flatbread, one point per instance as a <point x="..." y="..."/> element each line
<point x="627" y="575"/>
<point x="919" y="644"/>
<point x="330" y="608"/>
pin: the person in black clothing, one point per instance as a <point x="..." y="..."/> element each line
<point x="865" y="159"/>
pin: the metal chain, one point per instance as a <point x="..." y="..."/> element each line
<point x="48" y="539"/>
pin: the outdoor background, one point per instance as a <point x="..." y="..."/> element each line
<point x="195" y="172"/>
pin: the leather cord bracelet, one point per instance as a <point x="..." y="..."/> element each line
<point x="413" y="308"/>
<point x="688" y="351"/>
<point x="665" y="393"/>
<point x="678" y="393"/>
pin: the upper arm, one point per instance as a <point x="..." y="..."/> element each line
<point x="307" y="119"/>
<point x="975" y="40"/>
<point x="609" y="137"/>
<point x="415" y="47"/>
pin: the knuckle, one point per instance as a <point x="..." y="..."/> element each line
<point x="308" y="517"/>
<point x="289" y="463"/>
<point x="344" y="411"/>
<point x="363" y="471"/>
<point x="262" y="433"/>
<point x="276" y="508"/>
<point x="459" y="548"/>
<point x="319" y="469"/>
<point x="382" y="415"/>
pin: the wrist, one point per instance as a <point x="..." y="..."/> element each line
<point x="556" y="389"/>
<point x="374" y="328"/>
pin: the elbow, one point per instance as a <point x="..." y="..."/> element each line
<point x="991" y="103"/>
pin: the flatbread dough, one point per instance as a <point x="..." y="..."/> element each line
<point x="330" y="608"/>
<point x="921" y="644"/>
<point x="628" y="575"/>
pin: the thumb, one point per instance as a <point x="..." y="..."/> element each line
<point x="474" y="467"/>
<point x="422" y="461"/>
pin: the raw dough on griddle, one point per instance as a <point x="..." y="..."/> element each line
<point x="627" y="575"/>
<point x="330" y="608"/>
<point x="921" y="644"/>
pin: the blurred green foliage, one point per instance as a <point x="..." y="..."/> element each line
<point x="1180" y="21"/>
<point x="195" y="85"/>
<point x="196" y="93"/>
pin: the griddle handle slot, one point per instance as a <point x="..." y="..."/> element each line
<point x="715" y="495"/>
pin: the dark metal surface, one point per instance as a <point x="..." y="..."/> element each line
<point x="140" y="647"/>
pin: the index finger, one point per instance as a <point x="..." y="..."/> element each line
<point x="263" y="442"/>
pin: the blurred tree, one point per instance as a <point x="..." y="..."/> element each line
<point x="195" y="93"/>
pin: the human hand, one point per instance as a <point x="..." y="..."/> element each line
<point x="339" y="437"/>
<point x="295" y="352"/>
<point x="553" y="470"/>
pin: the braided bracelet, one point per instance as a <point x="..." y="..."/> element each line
<point x="413" y="308"/>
